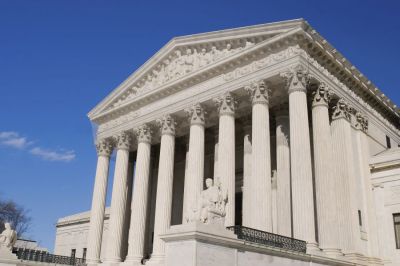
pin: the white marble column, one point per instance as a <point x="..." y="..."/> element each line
<point x="118" y="200"/>
<point x="216" y="135"/>
<point x="226" y="152"/>
<point x="347" y="211"/>
<point x="186" y="182"/>
<point x="300" y="158"/>
<point x="283" y="193"/>
<point x="162" y="220"/>
<point x="381" y="219"/>
<point x="325" y="186"/>
<point x="137" y="227"/>
<point x="373" y="239"/>
<point x="261" y="196"/>
<point x="195" y="164"/>
<point x="246" y="123"/>
<point x="104" y="149"/>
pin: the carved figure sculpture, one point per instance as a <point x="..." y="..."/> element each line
<point x="212" y="203"/>
<point x="8" y="237"/>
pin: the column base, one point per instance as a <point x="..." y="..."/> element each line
<point x="111" y="262"/>
<point x="92" y="262"/>
<point x="313" y="248"/>
<point x="357" y="258"/>
<point x="132" y="261"/>
<point x="332" y="252"/>
<point x="156" y="260"/>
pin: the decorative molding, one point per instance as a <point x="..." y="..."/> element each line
<point x="322" y="95"/>
<point x="176" y="66"/>
<point x="104" y="147"/>
<point x="226" y="104"/>
<point x="124" y="141"/>
<point x="167" y="125"/>
<point x="143" y="134"/>
<point x="341" y="110"/>
<point x="118" y="121"/>
<point x="196" y="114"/>
<point x="296" y="79"/>
<point x="259" y="92"/>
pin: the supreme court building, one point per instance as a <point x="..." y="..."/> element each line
<point x="301" y="142"/>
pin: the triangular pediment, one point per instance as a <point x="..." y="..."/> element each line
<point x="185" y="55"/>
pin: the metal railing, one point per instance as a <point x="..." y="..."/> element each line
<point x="268" y="239"/>
<point x="43" y="256"/>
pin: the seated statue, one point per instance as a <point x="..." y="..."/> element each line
<point x="212" y="203"/>
<point x="8" y="237"/>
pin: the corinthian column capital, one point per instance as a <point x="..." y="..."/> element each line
<point x="167" y="125"/>
<point x="322" y="95"/>
<point x="226" y="104"/>
<point x="361" y="122"/>
<point x="104" y="147"/>
<point x="143" y="134"/>
<point x="259" y="92"/>
<point x="196" y="114"/>
<point x="296" y="79"/>
<point x="341" y="110"/>
<point x="124" y="141"/>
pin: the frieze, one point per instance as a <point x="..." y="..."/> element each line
<point x="178" y="65"/>
<point x="286" y="54"/>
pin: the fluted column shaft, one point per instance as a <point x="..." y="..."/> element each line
<point x="104" y="150"/>
<point x="162" y="219"/>
<point x="379" y="202"/>
<point x="216" y="136"/>
<point x="186" y="184"/>
<point x="261" y="196"/>
<point x="118" y="200"/>
<point x="373" y="240"/>
<point x="284" y="206"/>
<point x="323" y="169"/>
<point x="247" y="174"/>
<point x="300" y="159"/>
<point x="343" y="157"/>
<point x="137" y="227"/>
<point x="195" y="167"/>
<point x="226" y="152"/>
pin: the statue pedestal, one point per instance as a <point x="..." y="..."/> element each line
<point x="198" y="244"/>
<point x="7" y="257"/>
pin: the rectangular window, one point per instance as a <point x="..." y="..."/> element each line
<point x="396" y="221"/>
<point x="359" y="218"/>
<point x="388" y="144"/>
<point x="84" y="254"/>
<point x="73" y="252"/>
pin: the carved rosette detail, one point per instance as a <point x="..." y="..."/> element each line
<point x="296" y="79"/>
<point x="104" y="147"/>
<point x="259" y="92"/>
<point x="196" y="114"/>
<point x="143" y="134"/>
<point x="322" y="95"/>
<point x="124" y="141"/>
<point x="226" y="104"/>
<point x="341" y="110"/>
<point x="167" y="125"/>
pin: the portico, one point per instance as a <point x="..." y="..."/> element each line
<point x="246" y="85"/>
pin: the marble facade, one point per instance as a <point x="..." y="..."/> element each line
<point x="237" y="106"/>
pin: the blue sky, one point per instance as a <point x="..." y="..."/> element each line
<point x="58" y="59"/>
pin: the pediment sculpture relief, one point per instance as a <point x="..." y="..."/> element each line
<point x="178" y="65"/>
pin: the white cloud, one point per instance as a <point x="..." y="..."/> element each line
<point x="8" y="134"/>
<point x="14" y="140"/>
<point x="50" y="155"/>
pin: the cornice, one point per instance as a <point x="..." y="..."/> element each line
<point x="321" y="51"/>
<point x="215" y="38"/>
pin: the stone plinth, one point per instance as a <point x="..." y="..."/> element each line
<point x="211" y="245"/>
